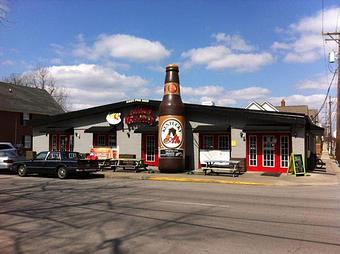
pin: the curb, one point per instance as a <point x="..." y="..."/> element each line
<point x="183" y="179"/>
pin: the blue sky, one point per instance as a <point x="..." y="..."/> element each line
<point x="231" y="52"/>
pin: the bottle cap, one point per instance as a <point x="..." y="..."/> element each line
<point x="172" y="67"/>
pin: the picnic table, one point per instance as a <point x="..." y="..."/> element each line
<point x="129" y="164"/>
<point x="222" y="166"/>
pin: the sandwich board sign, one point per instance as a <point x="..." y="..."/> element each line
<point x="296" y="165"/>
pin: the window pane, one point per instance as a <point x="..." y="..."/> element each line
<point x="208" y="142"/>
<point x="101" y="140"/>
<point x="268" y="151"/>
<point x="150" y="148"/>
<point x="112" y="140"/>
<point x="28" y="142"/>
<point x="252" y="150"/>
<point x="284" y="151"/>
<point x="223" y="142"/>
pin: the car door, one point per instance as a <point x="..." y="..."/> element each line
<point x="37" y="164"/>
<point x="52" y="160"/>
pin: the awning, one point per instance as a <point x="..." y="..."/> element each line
<point x="146" y="129"/>
<point x="100" y="129"/>
<point x="267" y="128"/>
<point x="212" y="128"/>
<point x="54" y="130"/>
<point x="317" y="130"/>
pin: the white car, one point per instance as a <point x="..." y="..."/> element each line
<point x="8" y="155"/>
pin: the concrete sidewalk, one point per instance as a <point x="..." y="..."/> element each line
<point x="325" y="176"/>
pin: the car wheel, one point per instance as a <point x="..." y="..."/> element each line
<point x="22" y="171"/>
<point x="62" y="173"/>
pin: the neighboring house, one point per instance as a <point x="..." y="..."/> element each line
<point x="300" y="109"/>
<point x="19" y="104"/>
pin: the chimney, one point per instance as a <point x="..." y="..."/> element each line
<point x="283" y="103"/>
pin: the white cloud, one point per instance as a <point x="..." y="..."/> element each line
<point x="320" y="82"/>
<point x="305" y="43"/>
<point x="90" y="84"/>
<point x="221" y="96"/>
<point x="313" y="101"/>
<point x="221" y="57"/>
<point x="121" y="46"/>
<point x="231" y="52"/>
<point x="234" y="42"/>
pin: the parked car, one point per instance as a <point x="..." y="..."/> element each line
<point x="6" y="146"/>
<point x="7" y="157"/>
<point x="60" y="163"/>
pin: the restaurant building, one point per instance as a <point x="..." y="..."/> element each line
<point x="261" y="140"/>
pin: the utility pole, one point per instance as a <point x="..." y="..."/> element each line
<point x="330" y="137"/>
<point x="337" y="140"/>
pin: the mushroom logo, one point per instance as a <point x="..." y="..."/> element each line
<point x="113" y="118"/>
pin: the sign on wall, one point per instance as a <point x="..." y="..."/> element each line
<point x="113" y="118"/>
<point x="140" y="115"/>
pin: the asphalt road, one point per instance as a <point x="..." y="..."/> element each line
<point x="95" y="215"/>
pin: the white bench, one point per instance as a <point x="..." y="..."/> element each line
<point x="218" y="161"/>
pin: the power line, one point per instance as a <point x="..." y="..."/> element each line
<point x="324" y="101"/>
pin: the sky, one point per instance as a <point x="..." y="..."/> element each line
<point x="228" y="52"/>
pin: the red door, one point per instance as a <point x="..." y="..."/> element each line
<point x="150" y="149"/>
<point x="268" y="152"/>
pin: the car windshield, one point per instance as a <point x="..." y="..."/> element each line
<point x="7" y="154"/>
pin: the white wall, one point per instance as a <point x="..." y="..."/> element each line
<point x="40" y="141"/>
<point x="238" y="151"/>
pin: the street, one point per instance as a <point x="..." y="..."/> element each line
<point x="96" y="215"/>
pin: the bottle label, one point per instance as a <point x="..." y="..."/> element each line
<point x="171" y="133"/>
<point x="171" y="88"/>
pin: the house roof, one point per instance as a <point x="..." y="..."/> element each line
<point x="300" y="109"/>
<point x="275" y="117"/>
<point x="17" y="98"/>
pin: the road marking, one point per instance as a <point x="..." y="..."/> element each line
<point x="183" y="179"/>
<point x="179" y="202"/>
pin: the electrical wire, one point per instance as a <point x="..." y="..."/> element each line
<point x="328" y="89"/>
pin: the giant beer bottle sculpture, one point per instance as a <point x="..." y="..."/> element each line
<point x="171" y="127"/>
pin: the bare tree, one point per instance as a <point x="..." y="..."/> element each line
<point x="42" y="78"/>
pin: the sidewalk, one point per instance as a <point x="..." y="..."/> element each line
<point x="326" y="176"/>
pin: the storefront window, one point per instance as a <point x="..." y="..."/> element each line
<point x="150" y="148"/>
<point x="208" y="142"/>
<point x="71" y="143"/>
<point x="54" y="143"/>
<point x="268" y="151"/>
<point x="112" y="140"/>
<point x="252" y="150"/>
<point x="63" y="143"/>
<point x="28" y="142"/>
<point x="101" y="140"/>
<point x="284" y="151"/>
<point x="223" y="142"/>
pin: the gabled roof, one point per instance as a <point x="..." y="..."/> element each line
<point x="15" y="98"/>
<point x="255" y="106"/>
<point x="268" y="106"/>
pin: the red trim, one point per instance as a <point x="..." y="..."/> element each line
<point x="151" y="163"/>
<point x="277" y="155"/>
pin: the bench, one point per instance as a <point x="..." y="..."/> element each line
<point x="222" y="166"/>
<point x="129" y="162"/>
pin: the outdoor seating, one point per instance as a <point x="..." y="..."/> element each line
<point x="129" y="162"/>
